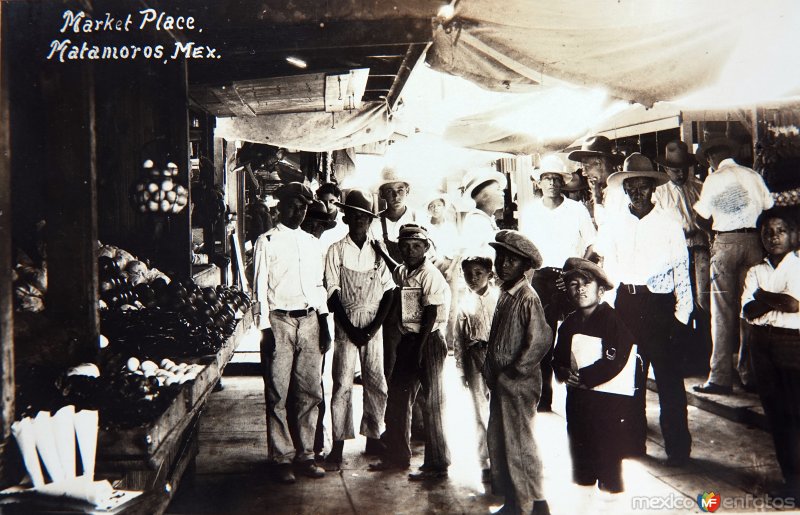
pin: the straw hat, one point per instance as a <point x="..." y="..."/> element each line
<point x="637" y="165"/>
<point x="551" y="164"/>
<point x="477" y="179"/>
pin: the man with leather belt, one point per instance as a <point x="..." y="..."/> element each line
<point x="644" y="250"/>
<point x="292" y="311"/>
<point x="732" y="198"/>
<point x="560" y="228"/>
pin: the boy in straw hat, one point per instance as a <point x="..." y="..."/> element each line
<point x="518" y="341"/>
<point x="644" y="252"/>
<point x="359" y="294"/>
<point x="561" y="228"/>
<point x="595" y="418"/>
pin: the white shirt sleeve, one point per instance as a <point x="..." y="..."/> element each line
<point x="680" y="273"/>
<point x="586" y="228"/>
<point x="260" y="275"/>
<point x="750" y="287"/>
<point x="332" y="264"/>
<point x="702" y="206"/>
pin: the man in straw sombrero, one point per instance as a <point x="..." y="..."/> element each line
<point x="644" y="253"/>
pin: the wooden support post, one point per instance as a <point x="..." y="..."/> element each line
<point x="6" y="306"/>
<point x="71" y="210"/>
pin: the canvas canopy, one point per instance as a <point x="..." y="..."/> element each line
<point x="642" y="51"/>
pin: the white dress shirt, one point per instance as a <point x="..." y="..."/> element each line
<point x="558" y="233"/>
<point x="651" y="251"/>
<point x="615" y="200"/>
<point x="346" y="253"/>
<point x="734" y="196"/>
<point x="785" y="278"/>
<point x="393" y="228"/>
<point x="288" y="270"/>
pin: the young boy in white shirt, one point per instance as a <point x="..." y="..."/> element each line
<point x="770" y="303"/>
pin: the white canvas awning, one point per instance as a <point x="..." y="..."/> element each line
<point x="730" y="52"/>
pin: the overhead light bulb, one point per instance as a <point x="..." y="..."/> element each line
<point x="296" y="61"/>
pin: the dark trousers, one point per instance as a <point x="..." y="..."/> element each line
<point x="556" y="307"/>
<point x="650" y="318"/>
<point x="775" y="356"/>
<point x="407" y="379"/>
<point x="598" y="436"/>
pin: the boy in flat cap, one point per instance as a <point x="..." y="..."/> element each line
<point x="360" y="293"/>
<point x="595" y="417"/>
<point x="518" y="341"/>
<point x="292" y="314"/>
<point x="424" y="298"/>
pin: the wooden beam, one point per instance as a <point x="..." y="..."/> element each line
<point x="409" y="61"/>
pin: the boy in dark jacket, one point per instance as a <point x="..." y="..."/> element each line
<point x="595" y="417"/>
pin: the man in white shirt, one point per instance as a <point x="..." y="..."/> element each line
<point x="485" y="188"/>
<point x="394" y="190"/>
<point x="730" y="202"/>
<point x="644" y="252"/>
<point x="560" y="228"/>
<point x="599" y="161"/>
<point x="330" y="194"/>
<point x="292" y="311"/>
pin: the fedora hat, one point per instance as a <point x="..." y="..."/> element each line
<point x="637" y="165"/>
<point x="713" y="141"/>
<point x="587" y="269"/>
<point x="390" y="175"/>
<point x="577" y="183"/>
<point x="318" y="211"/>
<point x="295" y="190"/>
<point x="595" y="146"/>
<point x="676" y="155"/>
<point x="474" y="181"/>
<point x="551" y="164"/>
<point x="358" y="200"/>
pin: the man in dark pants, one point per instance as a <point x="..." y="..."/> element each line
<point x="644" y="250"/>
<point x="560" y="228"/>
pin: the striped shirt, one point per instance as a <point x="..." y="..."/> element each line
<point x="520" y="336"/>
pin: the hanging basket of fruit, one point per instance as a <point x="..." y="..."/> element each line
<point x="158" y="189"/>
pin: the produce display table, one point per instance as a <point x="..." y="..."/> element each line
<point x="153" y="457"/>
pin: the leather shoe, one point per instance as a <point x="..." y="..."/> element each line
<point x="311" y="469"/>
<point x="428" y="474"/>
<point x="713" y="389"/>
<point x="284" y="474"/>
